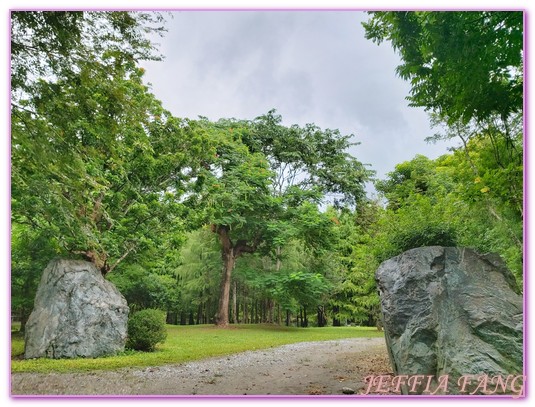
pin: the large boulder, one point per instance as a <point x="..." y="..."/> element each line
<point x="450" y="311"/>
<point x="77" y="313"/>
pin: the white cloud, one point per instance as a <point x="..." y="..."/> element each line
<point x="312" y="66"/>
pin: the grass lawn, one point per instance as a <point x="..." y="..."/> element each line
<point x="191" y="342"/>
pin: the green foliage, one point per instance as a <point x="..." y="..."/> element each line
<point x="462" y="64"/>
<point x="31" y="250"/>
<point x="101" y="170"/>
<point x="17" y="343"/>
<point x="302" y="281"/>
<point x="466" y="68"/>
<point x="420" y="223"/>
<point x="490" y="212"/>
<point x="355" y="295"/>
<point x="143" y="289"/>
<point x="457" y="208"/>
<point x="199" y="274"/>
<point x="97" y="162"/>
<point x="263" y="172"/>
<point x="146" y="328"/>
<point x="312" y="159"/>
<point x="53" y="43"/>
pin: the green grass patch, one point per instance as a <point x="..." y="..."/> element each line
<point x="17" y="344"/>
<point x="187" y="343"/>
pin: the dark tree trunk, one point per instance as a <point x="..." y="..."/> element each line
<point x="199" y="314"/>
<point x="245" y="310"/>
<point x="255" y="312"/>
<point x="264" y="311"/>
<point x="191" y="319"/>
<point x="336" y="320"/>
<point x="288" y="318"/>
<point x="24" y="315"/>
<point x="171" y="318"/>
<point x="322" y="319"/>
<point x="304" y="322"/>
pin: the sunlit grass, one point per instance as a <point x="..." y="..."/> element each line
<point x="187" y="343"/>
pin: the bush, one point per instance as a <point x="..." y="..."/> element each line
<point x="146" y="328"/>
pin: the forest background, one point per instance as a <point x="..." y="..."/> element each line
<point x="250" y="221"/>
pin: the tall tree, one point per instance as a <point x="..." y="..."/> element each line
<point x="264" y="185"/>
<point x="96" y="161"/>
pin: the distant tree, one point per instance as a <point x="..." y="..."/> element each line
<point x="198" y="277"/>
<point x="354" y="298"/>
<point x="31" y="250"/>
<point x="144" y="289"/>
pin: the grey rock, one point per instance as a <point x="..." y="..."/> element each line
<point x="77" y="313"/>
<point x="450" y="311"/>
<point x="348" y="390"/>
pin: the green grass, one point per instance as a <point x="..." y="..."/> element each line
<point x="17" y="343"/>
<point x="187" y="343"/>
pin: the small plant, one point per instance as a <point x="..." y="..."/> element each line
<point x="146" y="328"/>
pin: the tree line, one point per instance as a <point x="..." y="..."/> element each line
<point x="250" y="221"/>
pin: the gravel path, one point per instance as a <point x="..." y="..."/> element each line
<point x="306" y="368"/>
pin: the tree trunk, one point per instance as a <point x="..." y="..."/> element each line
<point x="288" y="318"/>
<point x="270" y="304"/>
<point x="257" y="312"/>
<point x="234" y="304"/>
<point x="24" y="315"/>
<point x="336" y="320"/>
<point x="304" y="322"/>
<point x="224" y="296"/>
<point x="322" y="319"/>
<point x="191" y="319"/>
<point x="245" y="309"/>
<point x="229" y="252"/>
<point x="199" y="314"/>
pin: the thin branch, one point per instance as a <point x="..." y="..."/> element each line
<point x="120" y="259"/>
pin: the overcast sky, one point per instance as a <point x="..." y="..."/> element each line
<point x="311" y="66"/>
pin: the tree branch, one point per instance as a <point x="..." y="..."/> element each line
<point x="120" y="259"/>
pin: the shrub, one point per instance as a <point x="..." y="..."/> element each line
<point x="146" y="328"/>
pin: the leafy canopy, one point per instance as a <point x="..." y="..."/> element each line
<point x="462" y="65"/>
<point x="97" y="162"/>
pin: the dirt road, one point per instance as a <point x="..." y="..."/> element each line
<point x="307" y="368"/>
